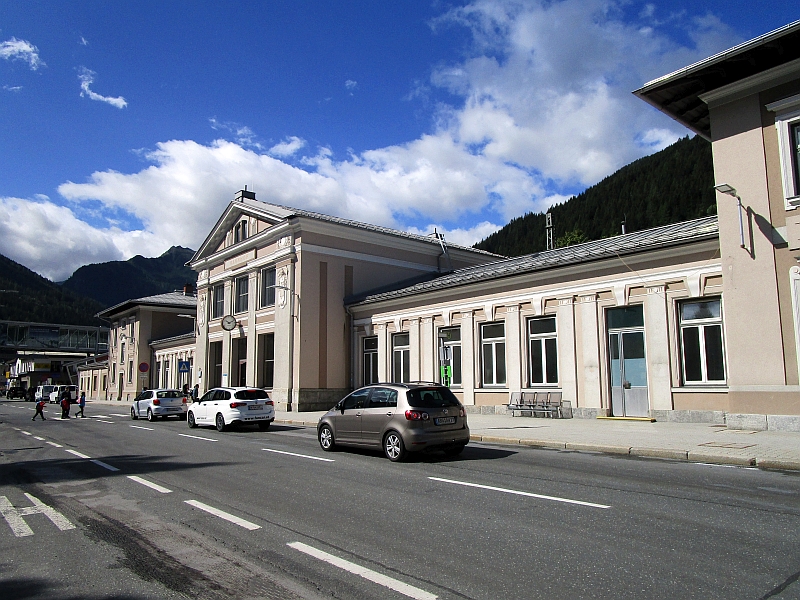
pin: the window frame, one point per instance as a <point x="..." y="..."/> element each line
<point x="454" y="344"/>
<point x="267" y="298"/>
<point x="494" y="343"/>
<point x="701" y="325"/>
<point x="787" y="122"/>
<point x="404" y="353"/>
<point x="372" y="362"/>
<point x="240" y="232"/>
<point x="237" y="295"/>
<point x="217" y="304"/>
<point x="542" y="338"/>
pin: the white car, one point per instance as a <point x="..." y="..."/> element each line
<point x="224" y="407"/>
<point x="162" y="402"/>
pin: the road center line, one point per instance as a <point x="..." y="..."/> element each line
<point x="223" y="515"/>
<point x="102" y="421"/>
<point x="197" y="437"/>
<point x="26" y="432"/>
<point x="140" y="427"/>
<point x="519" y="493"/>
<point x="374" y="576"/>
<point x="300" y="455"/>
<point x="54" y="444"/>
<point x="76" y="453"/>
<point x="150" y="484"/>
<point x="102" y="464"/>
<point x="118" y="415"/>
<point x="36" y="437"/>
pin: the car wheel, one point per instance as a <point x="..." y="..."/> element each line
<point x="326" y="440"/>
<point x="454" y="450"/>
<point x="190" y="421"/>
<point x="134" y="416"/>
<point x="150" y="416"/>
<point x="220" y="422"/>
<point x="264" y="425"/>
<point x="393" y="447"/>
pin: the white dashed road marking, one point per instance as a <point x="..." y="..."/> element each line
<point x="149" y="484"/>
<point x="76" y="453"/>
<point x="36" y="437"/>
<point x="197" y="437"/>
<point x="519" y="493"/>
<point x="300" y="455"/>
<point x="13" y="516"/>
<point x="223" y="515"/>
<point x="54" y="444"/>
<point x="104" y="465"/>
<point x="26" y="432"/>
<point x="140" y="427"/>
<point x="374" y="576"/>
<point x="118" y="415"/>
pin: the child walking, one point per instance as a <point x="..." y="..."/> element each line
<point x="39" y="410"/>
<point x="82" y="404"/>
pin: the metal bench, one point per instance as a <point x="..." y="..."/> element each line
<point x="540" y="404"/>
<point x="521" y="402"/>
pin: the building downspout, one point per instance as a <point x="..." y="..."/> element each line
<point x="352" y="347"/>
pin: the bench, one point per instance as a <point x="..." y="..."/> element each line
<point x="544" y="404"/>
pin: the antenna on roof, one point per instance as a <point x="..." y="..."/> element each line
<point x="624" y="221"/>
<point x="549" y="227"/>
<point x="440" y="238"/>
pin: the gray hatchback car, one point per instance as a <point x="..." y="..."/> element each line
<point x="397" y="417"/>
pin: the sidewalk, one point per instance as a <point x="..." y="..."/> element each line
<point x="693" y="442"/>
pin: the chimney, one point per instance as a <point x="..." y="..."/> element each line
<point x="243" y="195"/>
<point x="188" y="289"/>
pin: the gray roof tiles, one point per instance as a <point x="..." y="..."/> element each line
<point x="170" y="299"/>
<point x="649" y="239"/>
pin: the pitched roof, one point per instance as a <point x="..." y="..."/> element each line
<point x="168" y="300"/>
<point x="649" y="239"/>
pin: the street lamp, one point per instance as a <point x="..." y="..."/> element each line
<point x="728" y="190"/>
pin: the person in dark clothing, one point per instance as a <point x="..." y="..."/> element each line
<point x="65" y="405"/>
<point x="39" y="410"/>
<point x="82" y="404"/>
<point x="30" y="395"/>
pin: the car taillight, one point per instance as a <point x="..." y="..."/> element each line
<point x="157" y="402"/>
<point x="237" y="404"/>
<point x="270" y="402"/>
<point x="415" y="415"/>
<point x="462" y="412"/>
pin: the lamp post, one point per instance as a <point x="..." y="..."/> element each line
<point x="728" y="190"/>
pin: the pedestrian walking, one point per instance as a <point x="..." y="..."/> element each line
<point x="196" y="392"/>
<point x="65" y="405"/>
<point x="82" y="404"/>
<point x="39" y="410"/>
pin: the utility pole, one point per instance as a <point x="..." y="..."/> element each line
<point x="549" y="226"/>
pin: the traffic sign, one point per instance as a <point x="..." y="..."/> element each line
<point x="144" y="367"/>
<point x="183" y="366"/>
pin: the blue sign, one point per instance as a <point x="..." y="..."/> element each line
<point x="183" y="366"/>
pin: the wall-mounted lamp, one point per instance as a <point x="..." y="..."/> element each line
<point x="724" y="188"/>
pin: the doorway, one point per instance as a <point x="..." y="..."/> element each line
<point x="627" y="362"/>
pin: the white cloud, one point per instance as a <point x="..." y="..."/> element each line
<point x="289" y="147"/>
<point x="12" y="88"/>
<point x="462" y="237"/>
<point x="86" y="77"/>
<point x="15" y="49"/>
<point x="83" y="41"/>
<point x="350" y="84"/>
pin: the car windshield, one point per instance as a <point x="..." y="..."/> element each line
<point x="251" y="395"/>
<point x="431" y="398"/>
<point x="169" y="394"/>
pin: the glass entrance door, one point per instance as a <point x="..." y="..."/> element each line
<point x="628" y="364"/>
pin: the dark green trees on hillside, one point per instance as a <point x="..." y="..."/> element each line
<point x="670" y="186"/>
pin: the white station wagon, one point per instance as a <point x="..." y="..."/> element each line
<point x="231" y="406"/>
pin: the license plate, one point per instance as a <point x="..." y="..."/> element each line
<point x="445" y="420"/>
<point x="255" y="407"/>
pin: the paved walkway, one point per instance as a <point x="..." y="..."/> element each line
<point x="694" y="442"/>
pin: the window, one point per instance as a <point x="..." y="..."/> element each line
<point x="401" y="358"/>
<point x="267" y="287"/>
<point x="542" y="351"/>
<point x="157" y="374"/>
<point x="787" y="122"/>
<point x="450" y="355"/>
<point x="122" y="354"/>
<point x="240" y="232"/>
<point x="357" y="399"/>
<point x="241" y="288"/>
<point x="702" y="350"/>
<point x="268" y="354"/>
<point x="382" y="398"/>
<point x="493" y="353"/>
<point x="370" y="353"/>
<point x="130" y="371"/>
<point x="167" y="381"/>
<point x="217" y="301"/>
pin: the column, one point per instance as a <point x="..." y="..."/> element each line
<point x="567" y="344"/>
<point x="414" y="347"/>
<point x="513" y="350"/>
<point x="384" y="354"/>
<point x="468" y="356"/>
<point x="589" y="385"/>
<point x="657" y="345"/>
<point x="252" y="337"/>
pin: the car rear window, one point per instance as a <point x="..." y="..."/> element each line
<point x="431" y="398"/>
<point x="251" y="395"/>
<point x="169" y="394"/>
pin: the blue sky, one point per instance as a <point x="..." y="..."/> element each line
<point x="126" y="127"/>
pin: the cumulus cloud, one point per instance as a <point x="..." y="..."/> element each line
<point x="350" y="85"/>
<point x="543" y="107"/>
<point x="15" y="49"/>
<point x="12" y="88"/>
<point x="86" y="77"/>
<point x="288" y="147"/>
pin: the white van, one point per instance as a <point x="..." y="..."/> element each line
<point x="43" y="392"/>
<point x="55" y="395"/>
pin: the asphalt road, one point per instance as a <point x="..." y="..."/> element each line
<point x="156" y="510"/>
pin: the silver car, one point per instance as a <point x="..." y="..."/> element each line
<point x="153" y="404"/>
<point x="399" y="418"/>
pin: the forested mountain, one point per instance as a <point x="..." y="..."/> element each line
<point x="113" y="282"/>
<point x="27" y="296"/>
<point x="669" y="186"/>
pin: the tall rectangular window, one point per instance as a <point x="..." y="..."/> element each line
<point x="370" y="356"/>
<point x="240" y="232"/>
<point x="401" y="358"/>
<point x="702" y="350"/>
<point x="450" y="353"/>
<point x="130" y="371"/>
<point x="215" y="364"/>
<point x="267" y="287"/>
<point x="268" y="357"/>
<point x="493" y="353"/>
<point x="795" y="141"/>
<point x="542" y="351"/>
<point x="218" y="301"/>
<point x="241" y="286"/>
